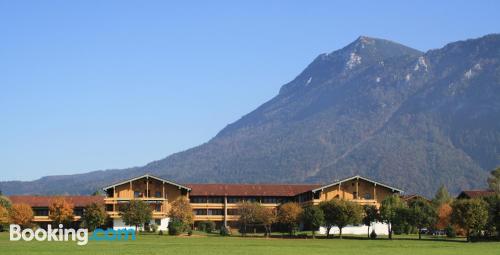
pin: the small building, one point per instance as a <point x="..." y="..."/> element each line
<point x="469" y="194"/>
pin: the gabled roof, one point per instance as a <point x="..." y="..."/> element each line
<point x="358" y="177"/>
<point x="147" y="176"/>
<point x="476" y="193"/>
<point x="45" y="201"/>
<point x="278" y="190"/>
<point x="412" y="197"/>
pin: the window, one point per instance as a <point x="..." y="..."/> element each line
<point x="41" y="212"/>
<point x="158" y="222"/>
<point x="158" y="194"/>
<point x="216" y="200"/>
<point x="317" y="195"/>
<point x="198" y="200"/>
<point x="270" y="200"/>
<point x="109" y="208"/>
<point x="158" y="207"/>
<point x="215" y="212"/>
<point x="200" y="212"/>
<point x="137" y="194"/>
<point x="368" y="196"/>
<point x="232" y="211"/>
<point x="234" y="200"/>
<point x="78" y="211"/>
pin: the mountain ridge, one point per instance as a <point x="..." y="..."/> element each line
<point x="375" y="108"/>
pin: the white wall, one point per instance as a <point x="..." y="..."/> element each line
<point x="119" y="224"/>
<point x="380" y="229"/>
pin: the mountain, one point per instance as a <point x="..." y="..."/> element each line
<point x="374" y="108"/>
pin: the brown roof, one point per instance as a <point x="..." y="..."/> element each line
<point x="279" y="190"/>
<point x="412" y="196"/>
<point x="44" y="201"/>
<point x="476" y="193"/>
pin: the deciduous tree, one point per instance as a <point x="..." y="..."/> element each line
<point x="370" y="215"/>
<point x="313" y="217"/>
<point x="494" y="180"/>
<point x="388" y="211"/>
<point x="182" y="211"/>
<point x="248" y="213"/>
<point x="21" y="214"/>
<point x="136" y="213"/>
<point x="5" y="202"/>
<point x="470" y="214"/>
<point x="329" y="210"/>
<point x="442" y="197"/>
<point x="94" y="216"/>
<point x="267" y="217"/>
<point x="61" y="211"/>
<point x="289" y="215"/>
<point x="444" y="216"/>
<point x="422" y="215"/>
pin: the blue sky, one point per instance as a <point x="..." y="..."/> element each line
<point x="90" y="85"/>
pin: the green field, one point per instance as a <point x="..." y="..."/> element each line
<point x="206" y="245"/>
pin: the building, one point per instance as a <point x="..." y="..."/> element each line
<point x="216" y="202"/>
<point x="40" y="206"/>
<point x="157" y="192"/>
<point x="468" y="194"/>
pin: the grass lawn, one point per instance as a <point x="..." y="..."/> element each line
<point x="207" y="245"/>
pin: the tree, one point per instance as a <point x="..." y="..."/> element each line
<point x="94" y="216"/>
<point x="248" y="215"/>
<point x="328" y="208"/>
<point x="470" y="214"/>
<point x="61" y="211"/>
<point x="4" y="217"/>
<point x="388" y="211"/>
<point x="371" y="215"/>
<point x="21" y="214"/>
<point x="493" y="224"/>
<point x="181" y="211"/>
<point x="313" y="218"/>
<point x="267" y="217"/>
<point x="5" y="202"/>
<point x="442" y="197"/>
<point x="136" y="213"/>
<point x="289" y="215"/>
<point x="494" y="180"/>
<point x="422" y="215"/>
<point x="444" y="216"/>
<point x="348" y="213"/>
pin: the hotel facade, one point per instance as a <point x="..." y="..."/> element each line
<point x="212" y="202"/>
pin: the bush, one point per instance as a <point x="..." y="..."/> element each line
<point x="373" y="235"/>
<point x="450" y="231"/>
<point x="225" y="231"/>
<point x="160" y="232"/>
<point x="153" y="228"/>
<point x="175" y="228"/>
<point x="189" y="231"/>
<point x="206" y="226"/>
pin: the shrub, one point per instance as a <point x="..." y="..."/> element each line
<point x="153" y="228"/>
<point x="373" y="235"/>
<point x="160" y="232"/>
<point x="175" y="228"/>
<point x="189" y="231"/>
<point x="450" y="231"/>
<point x="225" y="231"/>
<point x="210" y="226"/>
<point x="206" y="226"/>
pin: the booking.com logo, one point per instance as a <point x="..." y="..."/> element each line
<point x="81" y="236"/>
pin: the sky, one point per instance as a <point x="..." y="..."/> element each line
<point x="92" y="85"/>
